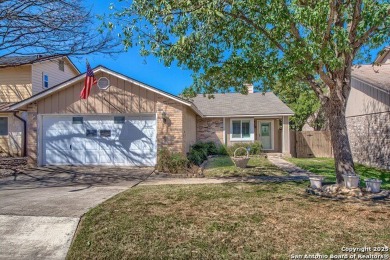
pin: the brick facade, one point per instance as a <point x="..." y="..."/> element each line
<point x="369" y="136"/>
<point x="170" y="133"/>
<point x="209" y="129"/>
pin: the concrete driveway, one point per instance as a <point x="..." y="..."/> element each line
<point x="41" y="207"/>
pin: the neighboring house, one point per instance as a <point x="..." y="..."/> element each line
<point x="368" y="112"/>
<point x="20" y="78"/>
<point x="124" y="122"/>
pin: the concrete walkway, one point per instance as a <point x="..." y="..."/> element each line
<point x="41" y="208"/>
<point x="290" y="168"/>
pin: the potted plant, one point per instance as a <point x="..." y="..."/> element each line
<point x="373" y="185"/>
<point x="316" y="181"/>
<point x="351" y="181"/>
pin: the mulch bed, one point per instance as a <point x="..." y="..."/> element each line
<point x="10" y="166"/>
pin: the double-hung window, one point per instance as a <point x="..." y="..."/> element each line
<point x="241" y="129"/>
<point x="45" y="80"/>
<point x="3" y="126"/>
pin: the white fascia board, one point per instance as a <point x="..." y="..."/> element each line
<point x="268" y="115"/>
<point x="99" y="69"/>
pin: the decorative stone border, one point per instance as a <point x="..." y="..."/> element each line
<point x="336" y="192"/>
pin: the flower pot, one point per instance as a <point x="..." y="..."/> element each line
<point x="373" y="185"/>
<point x="316" y="182"/>
<point x="351" y="181"/>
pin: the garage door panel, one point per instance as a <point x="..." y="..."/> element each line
<point x="91" y="145"/>
<point x="56" y="144"/>
<point x="92" y="158"/>
<point x="130" y="143"/>
<point x="142" y="145"/>
<point x="55" y="157"/>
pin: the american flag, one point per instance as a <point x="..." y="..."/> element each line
<point x="90" y="80"/>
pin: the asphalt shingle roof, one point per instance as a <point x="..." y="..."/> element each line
<point x="20" y="60"/>
<point x="378" y="76"/>
<point x="238" y="104"/>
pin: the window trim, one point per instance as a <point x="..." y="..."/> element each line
<point x="7" y="125"/>
<point x="43" y="80"/>
<point x="119" y="123"/>
<point x="74" y="122"/>
<point x="251" y="129"/>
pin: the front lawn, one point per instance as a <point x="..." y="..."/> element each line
<point x="325" y="167"/>
<point x="223" y="166"/>
<point x="226" y="221"/>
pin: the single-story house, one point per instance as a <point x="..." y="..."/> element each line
<point x="368" y="112"/>
<point x="124" y="122"/>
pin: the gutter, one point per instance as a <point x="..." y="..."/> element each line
<point x="24" y="133"/>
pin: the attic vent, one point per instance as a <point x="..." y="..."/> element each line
<point x="103" y="83"/>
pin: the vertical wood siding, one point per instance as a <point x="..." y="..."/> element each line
<point x="189" y="128"/>
<point x="120" y="97"/>
<point x="50" y="68"/>
<point x="365" y="99"/>
<point x="15" y="83"/>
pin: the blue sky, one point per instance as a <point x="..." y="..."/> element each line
<point x="145" y="69"/>
<point x="130" y="63"/>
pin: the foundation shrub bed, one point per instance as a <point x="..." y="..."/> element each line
<point x="171" y="162"/>
<point x="254" y="149"/>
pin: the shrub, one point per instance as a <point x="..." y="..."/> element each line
<point x="196" y="156"/>
<point x="255" y="148"/>
<point x="171" y="162"/>
<point x="200" y="150"/>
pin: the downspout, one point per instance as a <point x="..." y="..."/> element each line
<point x="24" y="133"/>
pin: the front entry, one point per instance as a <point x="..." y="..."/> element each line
<point x="265" y="129"/>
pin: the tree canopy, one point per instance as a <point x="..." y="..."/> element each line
<point x="50" y="28"/>
<point x="228" y="43"/>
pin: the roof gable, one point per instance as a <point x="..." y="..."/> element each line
<point x="376" y="76"/>
<point x="236" y="104"/>
<point x="98" y="69"/>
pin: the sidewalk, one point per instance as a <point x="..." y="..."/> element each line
<point x="288" y="167"/>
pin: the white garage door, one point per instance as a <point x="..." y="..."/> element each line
<point x="99" y="140"/>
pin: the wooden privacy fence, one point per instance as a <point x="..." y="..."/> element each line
<point x="311" y="144"/>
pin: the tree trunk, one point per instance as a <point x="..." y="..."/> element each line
<point x="335" y="110"/>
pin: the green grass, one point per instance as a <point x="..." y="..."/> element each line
<point x="223" y="166"/>
<point x="226" y="221"/>
<point x="325" y="167"/>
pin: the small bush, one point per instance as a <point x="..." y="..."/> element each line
<point x="196" y="157"/>
<point x="255" y="148"/>
<point x="200" y="150"/>
<point x="171" y="162"/>
<point x="222" y="150"/>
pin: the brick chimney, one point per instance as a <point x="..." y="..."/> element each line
<point x="250" y="88"/>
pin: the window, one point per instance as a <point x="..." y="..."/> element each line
<point x="105" y="133"/>
<point x="241" y="129"/>
<point x="77" y="120"/>
<point x="45" y="81"/>
<point x="3" y="125"/>
<point x="91" y="133"/>
<point x="61" y="65"/>
<point x="119" y="119"/>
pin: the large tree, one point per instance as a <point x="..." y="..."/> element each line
<point x="303" y="101"/>
<point x="50" y="28"/>
<point x="227" y="43"/>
